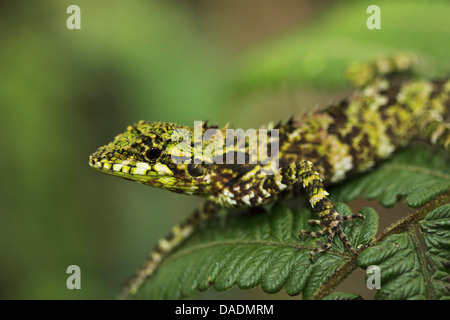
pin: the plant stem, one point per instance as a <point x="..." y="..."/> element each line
<point x="398" y="227"/>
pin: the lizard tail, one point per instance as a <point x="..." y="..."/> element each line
<point x="166" y="245"/>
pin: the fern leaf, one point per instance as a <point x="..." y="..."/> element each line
<point x="343" y="296"/>
<point x="419" y="174"/>
<point x="253" y="250"/>
<point x="409" y="271"/>
<point x="309" y="56"/>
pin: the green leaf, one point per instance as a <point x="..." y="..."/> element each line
<point x="435" y="230"/>
<point x="419" y="174"/>
<point x="319" y="54"/>
<point x="358" y="234"/>
<point x="343" y="296"/>
<point x="410" y="271"/>
<point x="253" y="250"/>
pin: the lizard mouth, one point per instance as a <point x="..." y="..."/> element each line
<point x="129" y="168"/>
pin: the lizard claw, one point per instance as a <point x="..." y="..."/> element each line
<point x="331" y="228"/>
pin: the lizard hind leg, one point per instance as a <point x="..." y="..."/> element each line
<point x="165" y="246"/>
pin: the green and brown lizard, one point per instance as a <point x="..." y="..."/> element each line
<point x="314" y="150"/>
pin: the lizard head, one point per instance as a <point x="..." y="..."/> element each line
<point x="156" y="154"/>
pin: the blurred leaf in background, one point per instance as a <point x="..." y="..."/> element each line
<point x="279" y="76"/>
<point x="65" y="92"/>
<point x="319" y="53"/>
<point x="62" y="94"/>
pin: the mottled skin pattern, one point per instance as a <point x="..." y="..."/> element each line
<point x="315" y="150"/>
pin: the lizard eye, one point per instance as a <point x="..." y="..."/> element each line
<point x="195" y="170"/>
<point x="153" y="153"/>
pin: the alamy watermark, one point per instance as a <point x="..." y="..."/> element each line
<point x="74" y="20"/>
<point x="74" y="280"/>
<point x="236" y="147"/>
<point x="374" y="20"/>
<point x="374" y="280"/>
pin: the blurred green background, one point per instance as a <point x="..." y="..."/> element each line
<point x="63" y="93"/>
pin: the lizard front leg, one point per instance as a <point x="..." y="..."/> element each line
<point x="303" y="172"/>
<point x="261" y="190"/>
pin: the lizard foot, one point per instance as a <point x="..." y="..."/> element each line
<point x="330" y="228"/>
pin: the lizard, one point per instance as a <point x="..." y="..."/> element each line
<point x="320" y="148"/>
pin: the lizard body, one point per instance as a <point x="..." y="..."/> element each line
<point x="315" y="150"/>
